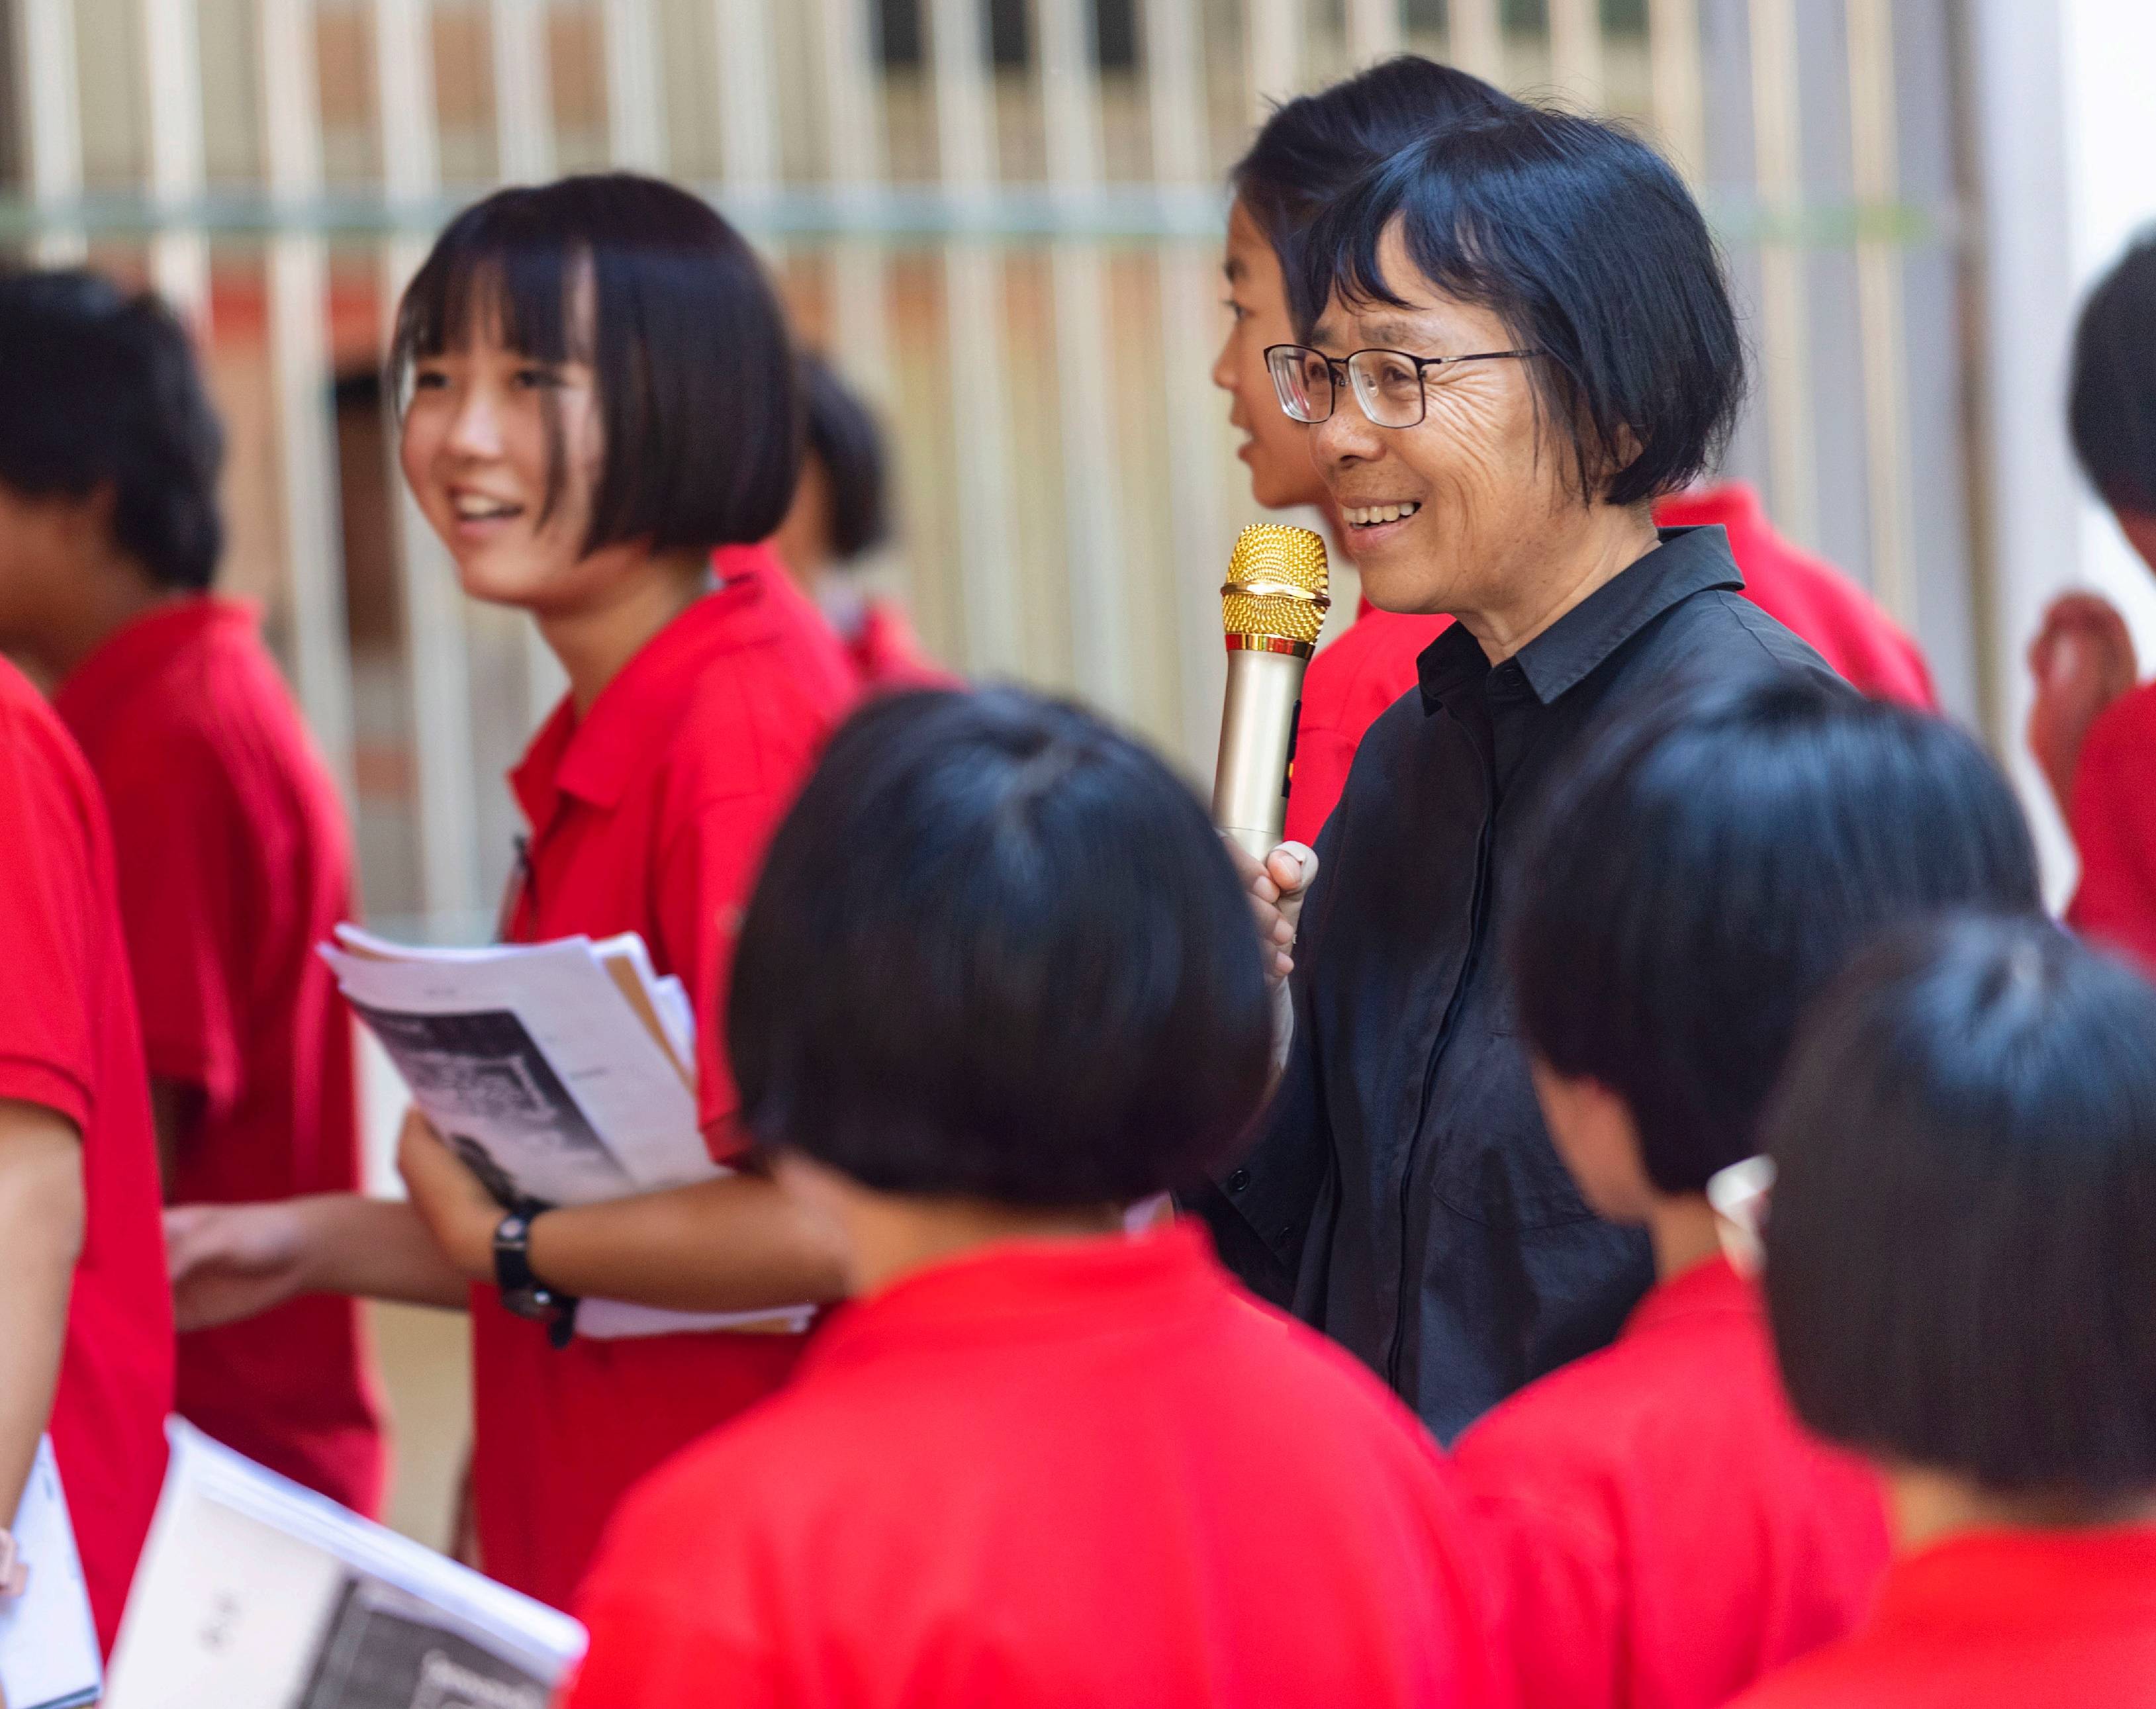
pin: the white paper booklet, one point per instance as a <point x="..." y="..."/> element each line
<point x="256" y="1594"/>
<point x="48" y="1641"/>
<point x="562" y="1070"/>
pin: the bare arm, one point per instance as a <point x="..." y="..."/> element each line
<point x="232" y="1261"/>
<point x="41" y="1232"/>
<point x="737" y="1244"/>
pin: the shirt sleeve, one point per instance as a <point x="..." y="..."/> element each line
<point x="47" y="918"/>
<point x="180" y="864"/>
<point x="706" y="876"/>
<point x="2113" y="821"/>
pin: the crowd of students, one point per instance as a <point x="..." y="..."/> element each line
<point x="972" y="976"/>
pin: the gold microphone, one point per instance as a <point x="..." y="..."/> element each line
<point x="1272" y="606"/>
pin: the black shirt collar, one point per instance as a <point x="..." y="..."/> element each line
<point x="1689" y="561"/>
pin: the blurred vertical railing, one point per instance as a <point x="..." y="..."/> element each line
<point x="1784" y="331"/>
<point x="172" y="57"/>
<point x="300" y="376"/>
<point x="52" y="127"/>
<point x="1873" y="177"/>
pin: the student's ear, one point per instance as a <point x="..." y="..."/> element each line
<point x="1594" y="1132"/>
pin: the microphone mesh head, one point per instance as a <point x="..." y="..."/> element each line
<point x="1275" y="586"/>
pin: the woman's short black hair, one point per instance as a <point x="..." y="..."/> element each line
<point x="1707" y="867"/>
<point x="1961" y="1249"/>
<point x="1586" y="245"/>
<point x="1313" y="148"/>
<point x="996" y="951"/>
<point x="98" y="387"/>
<point x="2112" y="406"/>
<point x="843" y="436"/>
<point x="698" y="398"/>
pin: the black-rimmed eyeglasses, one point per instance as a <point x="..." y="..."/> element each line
<point x="1387" y="383"/>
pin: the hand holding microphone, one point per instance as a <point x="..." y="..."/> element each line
<point x="1272" y="606"/>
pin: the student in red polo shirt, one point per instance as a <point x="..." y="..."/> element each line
<point x="85" y="1321"/>
<point x="1668" y="1532"/>
<point x="1038" y="1461"/>
<point x="841" y="513"/>
<point x="1307" y="153"/>
<point x="232" y="856"/>
<point x="2091" y="729"/>
<point x="1959" y="1261"/>
<point x="601" y="393"/>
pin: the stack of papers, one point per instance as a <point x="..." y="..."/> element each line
<point x="256" y="1594"/>
<point x="561" y="1071"/>
<point x="48" y="1641"/>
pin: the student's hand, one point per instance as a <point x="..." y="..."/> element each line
<point x="233" y="1261"/>
<point x="1276" y="888"/>
<point x="2082" y="659"/>
<point x="458" y="1210"/>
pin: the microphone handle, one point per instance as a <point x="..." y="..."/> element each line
<point x="1257" y="746"/>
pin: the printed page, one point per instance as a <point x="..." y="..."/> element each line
<point x="48" y="1640"/>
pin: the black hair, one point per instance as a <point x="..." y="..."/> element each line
<point x="996" y="951"/>
<point x="1961" y="1248"/>
<point x="698" y="399"/>
<point x="100" y="387"/>
<point x="1586" y="245"/>
<point x="1313" y="149"/>
<point x="2111" y="405"/>
<point x="1707" y="867"/>
<point x="843" y="436"/>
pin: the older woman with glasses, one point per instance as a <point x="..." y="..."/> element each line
<point x="1525" y="339"/>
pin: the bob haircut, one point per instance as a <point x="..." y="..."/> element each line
<point x="2111" y="407"/>
<point x="698" y="402"/>
<point x="1582" y="240"/>
<point x="1312" y="150"/>
<point x="998" y="952"/>
<point x="98" y="387"/>
<point x="1713" y="863"/>
<point x="843" y="436"/>
<point x="1962" y="1245"/>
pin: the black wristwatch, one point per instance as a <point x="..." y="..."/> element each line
<point x="522" y="1291"/>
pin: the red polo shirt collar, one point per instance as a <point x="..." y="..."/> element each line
<point x="596" y="758"/>
<point x="1711" y="1286"/>
<point x="133" y="650"/>
<point x="1026" y="1291"/>
<point x="1985" y="1583"/>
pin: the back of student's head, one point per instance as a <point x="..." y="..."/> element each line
<point x="1314" y="148"/>
<point x="2111" y="407"/>
<point x="99" y="389"/>
<point x="1961" y="1249"/>
<point x="1706" y="868"/>
<point x="699" y="399"/>
<point x="844" y="438"/>
<point x="996" y="951"/>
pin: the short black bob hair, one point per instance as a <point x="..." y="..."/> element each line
<point x="1586" y="245"/>
<point x="100" y="387"/>
<point x="700" y="410"/>
<point x="2111" y="405"/>
<point x="844" y="438"/>
<point x="1708" y="866"/>
<point x="1961" y="1249"/>
<point x="997" y="953"/>
<point x="1313" y="149"/>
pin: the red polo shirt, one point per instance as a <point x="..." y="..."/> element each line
<point x="69" y="1041"/>
<point x="1844" y="625"/>
<point x="2039" y="1620"/>
<point x="1089" y="1472"/>
<point x="887" y="655"/>
<point x="1666" y="1531"/>
<point x="234" y="862"/>
<point x="648" y="814"/>
<point x="2112" y="816"/>
<point x="1354" y="678"/>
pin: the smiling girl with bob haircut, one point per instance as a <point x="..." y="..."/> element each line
<point x="597" y="391"/>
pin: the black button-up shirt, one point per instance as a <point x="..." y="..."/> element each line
<point x="1403" y="1194"/>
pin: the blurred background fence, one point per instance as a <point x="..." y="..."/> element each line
<point x="1001" y="219"/>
